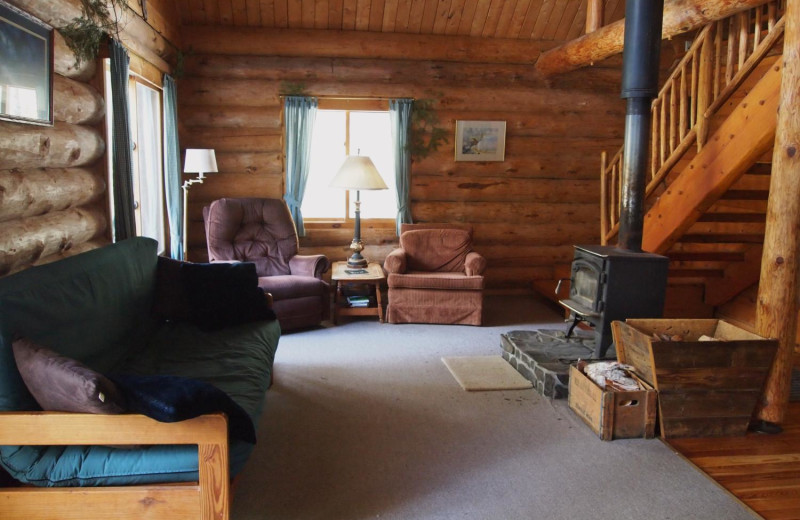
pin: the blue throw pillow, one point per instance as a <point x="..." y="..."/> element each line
<point x="174" y="398"/>
<point x="224" y="294"/>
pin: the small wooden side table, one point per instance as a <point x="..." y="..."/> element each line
<point x="374" y="276"/>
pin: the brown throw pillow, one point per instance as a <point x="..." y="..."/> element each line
<point x="62" y="384"/>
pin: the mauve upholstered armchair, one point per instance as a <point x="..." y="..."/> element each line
<point x="262" y="231"/>
<point x="435" y="276"/>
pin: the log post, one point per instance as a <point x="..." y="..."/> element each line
<point x="680" y="16"/>
<point x="594" y="15"/>
<point x="776" y="310"/>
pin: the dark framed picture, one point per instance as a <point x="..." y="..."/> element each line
<point x="26" y="68"/>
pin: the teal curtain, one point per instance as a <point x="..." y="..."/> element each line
<point x="122" y="144"/>
<point x="172" y="169"/>
<point x="299" y="116"/>
<point x="400" y="116"/>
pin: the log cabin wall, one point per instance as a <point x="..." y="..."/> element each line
<point x="53" y="194"/>
<point x="527" y="211"/>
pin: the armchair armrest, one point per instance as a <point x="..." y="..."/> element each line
<point x="209" y="498"/>
<point x="474" y="264"/>
<point x="395" y="261"/>
<point x="309" y="265"/>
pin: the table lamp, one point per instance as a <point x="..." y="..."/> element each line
<point x="358" y="173"/>
<point x="197" y="161"/>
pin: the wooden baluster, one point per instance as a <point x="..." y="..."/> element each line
<point x="717" y="57"/>
<point x="731" y="50"/>
<point x="619" y="188"/>
<point x="662" y="128"/>
<point x="614" y="214"/>
<point x="757" y="27"/>
<point x="772" y="16"/>
<point x="604" y="209"/>
<point x="682" y="124"/>
<point x="693" y="100"/>
<point x="653" y="137"/>
<point x="673" y="114"/>
<point x="743" y="37"/>
<point x="704" y="89"/>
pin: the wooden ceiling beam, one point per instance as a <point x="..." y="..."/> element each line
<point x="680" y="16"/>
<point x="361" y="44"/>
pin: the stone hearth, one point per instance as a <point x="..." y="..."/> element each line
<point x="543" y="357"/>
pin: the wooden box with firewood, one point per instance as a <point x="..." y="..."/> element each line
<point x="709" y="374"/>
<point x="611" y="412"/>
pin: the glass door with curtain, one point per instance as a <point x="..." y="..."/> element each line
<point x="148" y="179"/>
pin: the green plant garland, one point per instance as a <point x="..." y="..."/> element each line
<point x="84" y="34"/>
<point x="426" y="136"/>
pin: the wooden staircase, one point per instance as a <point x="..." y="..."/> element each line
<point x="711" y="145"/>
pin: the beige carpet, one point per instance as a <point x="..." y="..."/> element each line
<point x="479" y="373"/>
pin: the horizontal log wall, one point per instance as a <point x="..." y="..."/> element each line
<point x="527" y="211"/>
<point x="53" y="194"/>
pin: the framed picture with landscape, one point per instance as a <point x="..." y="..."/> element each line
<point x="26" y="68"/>
<point x="480" y="140"/>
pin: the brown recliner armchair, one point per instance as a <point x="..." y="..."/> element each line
<point x="435" y="277"/>
<point x="262" y="231"/>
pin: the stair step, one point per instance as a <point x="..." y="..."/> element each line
<point x="721" y="256"/>
<point x="746" y="195"/>
<point x="733" y="217"/>
<point x="760" y="169"/>
<point x="696" y="273"/>
<point x="742" y="239"/>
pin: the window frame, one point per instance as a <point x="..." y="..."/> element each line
<point x="350" y="105"/>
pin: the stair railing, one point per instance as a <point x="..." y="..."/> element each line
<point x="722" y="55"/>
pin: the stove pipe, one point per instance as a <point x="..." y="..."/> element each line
<point x="639" y="85"/>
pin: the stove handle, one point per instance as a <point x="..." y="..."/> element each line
<point x="558" y="285"/>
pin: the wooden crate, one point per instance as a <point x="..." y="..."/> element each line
<point x="705" y="388"/>
<point x="612" y="414"/>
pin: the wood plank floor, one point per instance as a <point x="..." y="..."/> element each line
<point x="763" y="471"/>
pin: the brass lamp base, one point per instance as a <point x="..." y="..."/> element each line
<point x="357" y="261"/>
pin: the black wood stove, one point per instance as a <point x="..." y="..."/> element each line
<point x="615" y="283"/>
<point x="608" y="283"/>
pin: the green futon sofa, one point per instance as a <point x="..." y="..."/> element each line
<point x="110" y="310"/>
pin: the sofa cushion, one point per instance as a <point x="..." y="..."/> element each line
<point x="451" y="281"/>
<point x="93" y="307"/>
<point x="436" y="249"/>
<point x="61" y="384"/>
<point x="224" y="294"/>
<point x="180" y="349"/>
<point x="286" y="287"/>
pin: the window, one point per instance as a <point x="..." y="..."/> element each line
<point x="337" y="134"/>
<point x="144" y="103"/>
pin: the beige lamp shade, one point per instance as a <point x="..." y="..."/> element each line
<point x="200" y="161"/>
<point x="358" y="172"/>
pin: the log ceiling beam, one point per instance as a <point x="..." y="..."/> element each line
<point x="356" y="44"/>
<point x="680" y="16"/>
